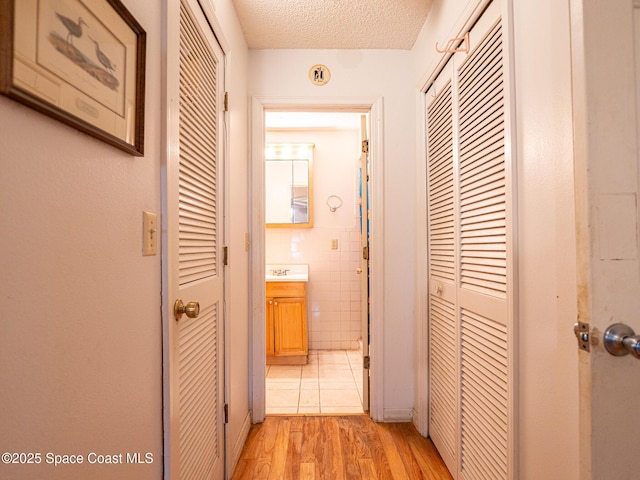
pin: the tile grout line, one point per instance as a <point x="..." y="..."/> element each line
<point x="318" y="389"/>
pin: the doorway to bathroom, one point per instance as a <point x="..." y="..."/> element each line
<point x="316" y="231"/>
<point x="331" y="249"/>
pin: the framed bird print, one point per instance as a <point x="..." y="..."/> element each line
<point x="79" y="61"/>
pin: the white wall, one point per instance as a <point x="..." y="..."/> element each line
<point x="547" y="422"/>
<point x="80" y="336"/>
<point x="333" y="291"/>
<point x="357" y="74"/>
<point x="547" y="247"/>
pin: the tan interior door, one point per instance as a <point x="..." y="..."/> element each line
<point x="607" y="172"/>
<point x="194" y="253"/>
<point x="364" y="269"/>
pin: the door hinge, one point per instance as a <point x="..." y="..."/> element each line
<point x="365" y="146"/>
<point x="365" y="253"/>
<point x="225" y="256"/>
<point x="226" y="101"/>
<point x="366" y="362"/>
<point x="581" y="330"/>
<point x="226" y="413"/>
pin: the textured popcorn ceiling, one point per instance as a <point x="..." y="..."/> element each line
<point x="329" y="24"/>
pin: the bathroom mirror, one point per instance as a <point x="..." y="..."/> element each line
<point x="288" y="185"/>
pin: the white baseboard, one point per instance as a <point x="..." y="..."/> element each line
<point x="395" y="415"/>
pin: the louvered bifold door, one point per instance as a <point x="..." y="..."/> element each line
<point x="198" y="444"/>
<point x="443" y="329"/>
<point x="484" y="277"/>
<point x="470" y="245"/>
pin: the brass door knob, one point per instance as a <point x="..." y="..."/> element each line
<point x="191" y="309"/>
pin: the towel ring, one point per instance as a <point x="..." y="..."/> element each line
<point x="334" y="202"/>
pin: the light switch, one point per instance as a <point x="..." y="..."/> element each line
<point x="334" y="244"/>
<point x="149" y="233"/>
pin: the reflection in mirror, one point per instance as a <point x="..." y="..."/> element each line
<point x="288" y="185"/>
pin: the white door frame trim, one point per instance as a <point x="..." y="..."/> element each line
<point x="259" y="105"/>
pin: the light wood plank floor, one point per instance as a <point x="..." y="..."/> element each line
<point x="334" y="448"/>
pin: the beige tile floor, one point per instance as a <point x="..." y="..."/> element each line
<point x="331" y="383"/>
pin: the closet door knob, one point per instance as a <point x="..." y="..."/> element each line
<point x="191" y="309"/>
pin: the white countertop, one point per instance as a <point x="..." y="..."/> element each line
<point x="286" y="273"/>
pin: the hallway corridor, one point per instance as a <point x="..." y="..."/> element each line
<point x="335" y="448"/>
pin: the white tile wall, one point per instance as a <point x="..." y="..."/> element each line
<point x="333" y="291"/>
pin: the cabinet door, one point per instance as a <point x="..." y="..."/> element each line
<point x="270" y="333"/>
<point x="290" y="321"/>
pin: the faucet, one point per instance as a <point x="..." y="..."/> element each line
<point x="280" y="272"/>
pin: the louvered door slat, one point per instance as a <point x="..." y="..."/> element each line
<point x="443" y="410"/>
<point x="440" y="149"/>
<point x="482" y="468"/>
<point x="477" y="156"/>
<point x="485" y="394"/>
<point x="478" y="105"/>
<point x="441" y="220"/>
<point x="440" y="109"/>
<point x="205" y="145"/>
<point x="474" y="99"/>
<point x="489" y="128"/>
<point x="487" y="146"/>
<point x="440" y="161"/>
<point x="192" y="154"/>
<point x="482" y="168"/>
<point x="197" y="386"/>
<point x="492" y="47"/>
<point x="195" y="229"/>
<point x="481" y="433"/>
<point x="486" y="410"/>
<point x="198" y="174"/>
<point x="195" y="204"/>
<point x="485" y="208"/>
<point x="440" y="130"/>
<point x="481" y="140"/>
<point x="491" y="210"/>
<point x="488" y="220"/>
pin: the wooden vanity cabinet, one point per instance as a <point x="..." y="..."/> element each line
<point x="287" y="323"/>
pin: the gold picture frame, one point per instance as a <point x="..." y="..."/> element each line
<point x="79" y="61"/>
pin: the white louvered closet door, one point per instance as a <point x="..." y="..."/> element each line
<point x="470" y="250"/>
<point x="195" y="236"/>
<point x="443" y="325"/>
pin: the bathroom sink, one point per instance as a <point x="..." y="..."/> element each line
<point x="287" y="273"/>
